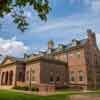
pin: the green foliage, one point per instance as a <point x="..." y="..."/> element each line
<point x="5" y="7"/>
<point x="10" y="6"/>
<point x="20" y="20"/>
<point x="26" y="88"/>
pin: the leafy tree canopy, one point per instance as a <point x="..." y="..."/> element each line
<point x="16" y="8"/>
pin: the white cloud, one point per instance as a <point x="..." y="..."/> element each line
<point x="75" y="1"/>
<point x="71" y="23"/>
<point x="87" y="2"/>
<point x="95" y="5"/>
<point x="28" y="14"/>
<point x="12" y="47"/>
<point x="98" y="39"/>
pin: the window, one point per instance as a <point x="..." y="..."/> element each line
<point x="96" y="60"/>
<point x="51" y="79"/>
<point x="20" y="76"/>
<point x="27" y="75"/>
<point x="81" y="76"/>
<point x="72" y="76"/>
<point x="32" y="76"/>
<point x="78" y="54"/>
<point x="74" y="42"/>
<point x="57" y="78"/>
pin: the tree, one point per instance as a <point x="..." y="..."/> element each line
<point x="16" y="8"/>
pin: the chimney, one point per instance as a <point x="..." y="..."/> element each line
<point x="50" y="44"/>
<point x="91" y="36"/>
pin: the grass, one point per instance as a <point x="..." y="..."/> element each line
<point x="8" y="95"/>
<point x="63" y="95"/>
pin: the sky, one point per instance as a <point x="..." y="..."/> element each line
<point x="68" y="19"/>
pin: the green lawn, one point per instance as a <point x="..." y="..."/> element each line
<point x="63" y="95"/>
<point x="8" y="95"/>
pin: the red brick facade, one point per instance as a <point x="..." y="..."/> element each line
<point x="76" y="65"/>
<point x="83" y="63"/>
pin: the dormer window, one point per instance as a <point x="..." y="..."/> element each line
<point x="42" y="53"/>
<point x="75" y="42"/>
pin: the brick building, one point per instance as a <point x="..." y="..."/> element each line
<point x="83" y="61"/>
<point x="76" y="65"/>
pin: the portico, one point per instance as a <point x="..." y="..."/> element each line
<point x="9" y="73"/>
<point x="7" y="78"/>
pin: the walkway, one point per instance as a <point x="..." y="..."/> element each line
<point x="85" y="97"/>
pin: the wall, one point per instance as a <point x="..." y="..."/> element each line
<point x="93" y="62"/>
<point x="61" y="56"/>
<point x="34" y="77"/>
<point x="77" y="64"/>
<point x="8" y="68"/>
<point x="20" y="74"/>
<point x="54" y="70"/>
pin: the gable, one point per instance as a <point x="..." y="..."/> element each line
<point x="7" y="61"/>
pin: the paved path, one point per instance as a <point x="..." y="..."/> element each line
<point x="85" y="97"/>
<point x="58" y="92"/>
<point x="22" y="91"/>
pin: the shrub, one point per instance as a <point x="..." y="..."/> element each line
<point x="26" y="88"/>
<point x="34" y="88"/>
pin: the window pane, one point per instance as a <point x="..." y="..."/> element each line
<point x="81" y="76"/>
<point x="72" y="76"/>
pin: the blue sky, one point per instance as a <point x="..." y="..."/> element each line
<point x="68" y="19"/>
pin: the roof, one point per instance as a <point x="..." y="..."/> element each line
<point x="44" y="58"/>
<point x="60" y="48"/>
<point x="63" y="47"/>
<point x="14" y="59"/>
<point x="70" y="45"/>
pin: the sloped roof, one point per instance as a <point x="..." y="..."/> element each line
<point x="69" y="46"/>
<point x="14" y="59"/>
